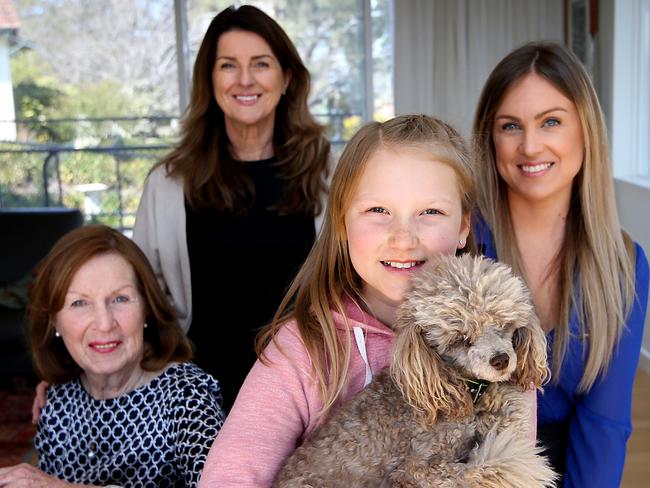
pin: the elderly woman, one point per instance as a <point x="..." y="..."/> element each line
<point x="227" y="217"/>
<point x="124" y="406"/>
<point x="547" y="207"/>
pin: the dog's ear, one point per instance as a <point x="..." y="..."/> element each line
<point x="424" y="379"/>
<point x="529" y="343"/>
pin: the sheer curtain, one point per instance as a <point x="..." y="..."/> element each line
<point x="445" y="49"/>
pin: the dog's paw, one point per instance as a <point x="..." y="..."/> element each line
<point x="507" y="459"/>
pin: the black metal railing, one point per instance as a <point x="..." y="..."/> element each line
<point x="112" y="200"/>
<point x="104" y="170"/>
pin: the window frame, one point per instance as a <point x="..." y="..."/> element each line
<point x="184" y="64"/>
<point x="630" y="95"/>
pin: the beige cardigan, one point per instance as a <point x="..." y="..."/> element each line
<point x="160" y="232"/>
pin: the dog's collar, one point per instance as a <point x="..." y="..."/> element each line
<point x="476" y="388"/>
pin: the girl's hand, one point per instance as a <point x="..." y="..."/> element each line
<point x="26" y="475"/>
<point x="39" y="401"/>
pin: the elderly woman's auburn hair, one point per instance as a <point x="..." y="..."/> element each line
<point x="202" y="157"/>
<point x="327" y="277"/>
<point x="164" y="340"/>
<point x="594" y="243"/>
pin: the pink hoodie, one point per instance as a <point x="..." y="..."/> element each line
<point x="278" y="405"/>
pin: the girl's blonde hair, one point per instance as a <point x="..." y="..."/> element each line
<point x="327" y="277"/>
<point x="596" y="261"/>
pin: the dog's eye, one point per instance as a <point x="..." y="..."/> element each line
<point x="463" y="341"/>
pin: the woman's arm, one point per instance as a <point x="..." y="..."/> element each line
<point x="145" y="229"/>
<point x="276" y="406"/>
<point x="40" y="398"/>
<point x="26" y="475"/>
<point x="159" y="231"/>
<point x="601" y="424"/>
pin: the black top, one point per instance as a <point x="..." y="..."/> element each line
<point x="158" y="435"/>
<point x="240" y="267"/>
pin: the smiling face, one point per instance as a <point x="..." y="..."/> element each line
<point x="476" y="314"/>
<point x="102" y="319"/>
<point x="484" y="352"/>
<point x="538" y="140"/>
<point x="248" y="79"/>
<point x="406" y="208"/>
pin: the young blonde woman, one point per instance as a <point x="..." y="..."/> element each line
<point x="547" y="208"/>
<point x="401" y="194"/>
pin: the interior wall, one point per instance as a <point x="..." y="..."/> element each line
<point x="633" y="203"/>
<point x="445" y="49"/>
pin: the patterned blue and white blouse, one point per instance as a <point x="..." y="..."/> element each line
<point x="158" y="435"/>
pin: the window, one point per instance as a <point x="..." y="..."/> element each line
<point x="631" y="92"/>
<point x="95" y="97"/>
<point x="98" y="107"/>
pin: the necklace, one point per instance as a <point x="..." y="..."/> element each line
<point x="93" y="444"/>
<point x="133" y="383"/>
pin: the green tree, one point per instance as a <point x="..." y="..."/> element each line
<point x="37" y="97"/>
<point x="127" y="42"/>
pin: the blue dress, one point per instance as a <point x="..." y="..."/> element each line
<point x="599" y="421"/>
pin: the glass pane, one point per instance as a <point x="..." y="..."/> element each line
<point x="101" y="57"/>
<point x="95" y="90"/>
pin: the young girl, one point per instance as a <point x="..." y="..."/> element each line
<point x="401" y="194"/>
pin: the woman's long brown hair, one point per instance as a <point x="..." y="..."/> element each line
<point x="212" y="178"/>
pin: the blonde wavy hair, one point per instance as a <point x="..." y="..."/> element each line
<point x="327" y="277"/>
<point x="596" y="261"/>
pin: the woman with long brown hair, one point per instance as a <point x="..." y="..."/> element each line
<point x="546" y="201"/>
<point x="227" y="217"/>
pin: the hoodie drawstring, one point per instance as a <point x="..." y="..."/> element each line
<point x="361" y="345"/>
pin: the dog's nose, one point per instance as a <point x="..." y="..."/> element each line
<point x="500" y="361"/>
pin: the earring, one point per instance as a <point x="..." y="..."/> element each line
<point x="461" y="243"/>
<point x="56" y="333"/>
<point x="146" y="325"/>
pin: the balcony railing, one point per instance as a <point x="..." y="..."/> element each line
<point x="104" y="182"/>
<point x="103" y="171"/>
